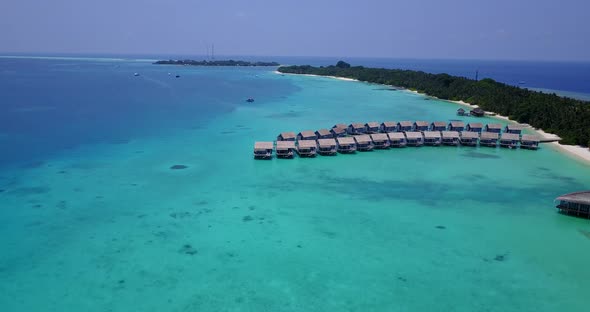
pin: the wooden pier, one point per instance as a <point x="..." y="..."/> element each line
<point x="354" y="137"/>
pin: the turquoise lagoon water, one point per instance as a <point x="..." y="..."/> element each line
<point x="106" y="225"/>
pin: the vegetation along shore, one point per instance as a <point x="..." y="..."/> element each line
<point x="566" y="117"/>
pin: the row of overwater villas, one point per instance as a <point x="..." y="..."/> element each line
<point x="369" y="136"/>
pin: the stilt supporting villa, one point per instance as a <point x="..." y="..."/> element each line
<point x="577" y="203"/>
<point x="397" y="139"/>
<point x="468" y="138"/>
<point x="307" y="135"/>
<point x="363" y="142"/>
<point x="285" y="149"/>
<point x="327" y="146"/>
<point x="372" y="127"/>
<point x="432" y="138"/>
<point x="286" y="136"/>
<point x="450" y="138"/>
<point x="509" y="140"/>
<point x="346" y="144"/>
<point x="380" y="140"/>
<point x="388" y="126"/>
<point x="263" y="150"/>
<point x="529" y="141"/>
<point x="324" y="134"/>
<point x="307" y="148"/>
<point x="356" y="129"/>
<point x="489" y="139"/>
<point x="414" y="138"/>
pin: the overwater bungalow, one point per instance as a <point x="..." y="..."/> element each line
<point x="307" y="148"/>
<point x="306" y="135"/>
<point x="263" y="150"/>
<point x="286" y="136"/>
<point x="338" y="132"/>
<point x="450" y="138"/>
<point x="432" y="138"/>
<point x="489" y="139"/>
<point x="380" y="140"/>
<point x="509" y="140"/>
<point x="477" y="112"/>
<point x="324" y="134"/>
<point x="514" y="128"/>
<point x="346" y="144"/>
<point x="372" y="127"/>
<point x="285" y="149"/>
<point x="495" y="128"/>
<point x="529" y="141"/>
<point x="420" y="126"/>
<point x="474" y="127"/>
<point x="356" y="129"/>
<point x="468" y="138"/>
<point x="456" y="126"/>
<point x="461" y="112"/>
<point x="438" y="126"/>
<point x="577" y="203"/>
<point x="388" y="126"/>
<point x="414" y="138"/>
<point x="363" y="142"/>
<point x="404" y="126"/>
<point x="397" y="139"/>
<point x="327" y="146"/>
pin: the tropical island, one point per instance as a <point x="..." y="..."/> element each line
<point x="569" y="118"/>
<point x="215" y="63"/>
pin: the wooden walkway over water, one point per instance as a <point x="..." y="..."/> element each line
<point x="355" y="137"/>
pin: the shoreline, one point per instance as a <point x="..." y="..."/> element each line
<point x="575" y="152"/>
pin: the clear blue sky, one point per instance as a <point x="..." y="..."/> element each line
<point x="483" y="29"/>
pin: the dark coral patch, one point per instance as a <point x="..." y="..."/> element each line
<point x="178" y="167"/>
<point x="440" y="227"/>
<point x="188" y="249"/>
<point x="247" y="218"/>
<point x="1" y="190"/>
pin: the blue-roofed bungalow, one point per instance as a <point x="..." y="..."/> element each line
<point x="396" y="139"/>
<point x="438" y="126"/>
<point x="356" y="128"/>
<point x="450" y="138"/>
<point x="414" y="138"/>
<point x="514" y="128"/>
<point x="577" y="203"/>
<point x="286" y="136"/>
<point x="306" y="135"/>
<point x="509" y="140"/>
<point x="372" y="127"/>
<point x="380" y="140"/>
<point x="461" y="112"/>
<point x="338" y="131"/>
<point x="363" y="142"/>
<point x="474" y="127"/>
<point x="456" y="126"/>
<point x="495" y="128"/>
<point x="468" y="138"/>
<point x="529" y="141"/>
<point x="346" y="144"/>
<point x="404" y="126"/>
<point x="324" y="134"/>
<point x="263" y="150"/>
<point x="388" y="126"/>
<point x="489" y="139"/>
<point x="420" y="126"/>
